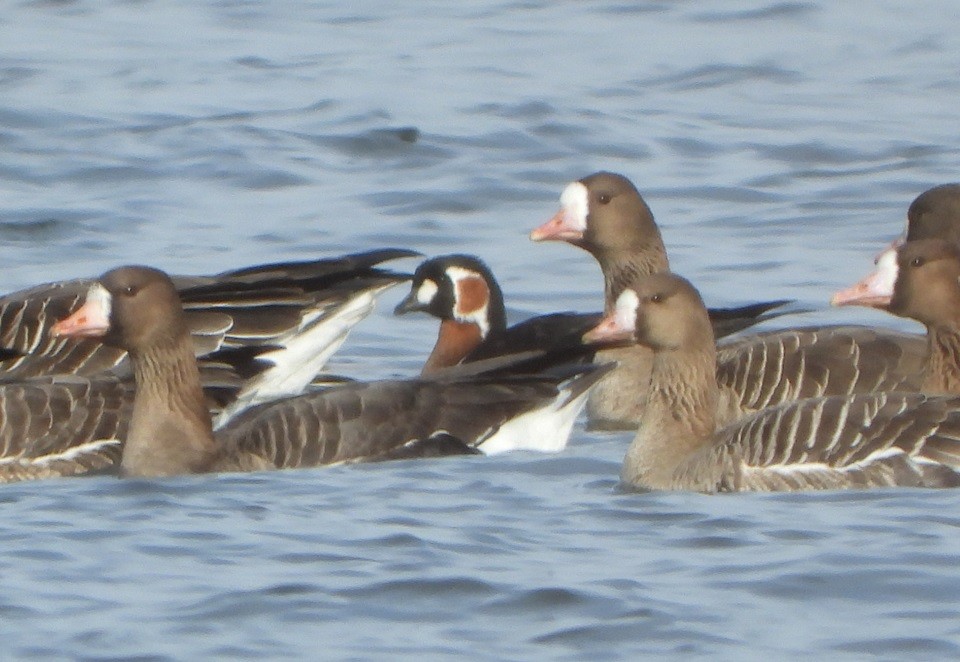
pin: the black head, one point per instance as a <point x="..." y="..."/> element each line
<point x="456" y="287"/>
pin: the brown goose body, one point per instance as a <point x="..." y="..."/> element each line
<point x="833" y="442"/>
<point x="62" y="426"/>
<point x="235" y="314"/>
<point x="170" y="432"/>
<point x="606" y="215"/>
<point x="242" y="324"/>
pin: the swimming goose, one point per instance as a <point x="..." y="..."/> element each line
<point x="605" y="215"/>
<point x="137" y="308"/>
<point x="261" y="332"/>
<point x="934" y="214"/>
<point x="851" y="441"/>
<point x="463" y="293"/>
<point x="238" y="314"/>
<point x="920" y="280"/>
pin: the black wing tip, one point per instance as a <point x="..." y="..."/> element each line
<point x="727" y="321"/>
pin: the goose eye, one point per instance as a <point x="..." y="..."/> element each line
<point x="916" y="262"/>
<point x="656" y="298"/>
<point x="129" y="290"/>
<point x="603" y="198"/>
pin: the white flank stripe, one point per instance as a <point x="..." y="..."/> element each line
<point x="815" y="467"/>
<point x="69" y="454"/>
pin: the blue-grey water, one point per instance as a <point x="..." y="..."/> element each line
<point x="778" y="143"/>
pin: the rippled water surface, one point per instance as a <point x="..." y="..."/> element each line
<point x="778" y="144"/>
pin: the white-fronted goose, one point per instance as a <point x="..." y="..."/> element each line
<point x="605" y="215"/>
<point x="463" y="293"/>
<point x="920" y="280"/>
<point x="934" y="214"/>
<point x="170" y="432"/>
<point x="237" y="314"/>
<point x="867" y="440"/>
<point x="262" y="333"/>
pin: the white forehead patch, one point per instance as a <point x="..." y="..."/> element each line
<point x="575" y="201"/>
<point x="98" y="296"/>
<point x="625" y="310"/>
<point x="426" y="292"/>
<point x="885" y="277"/>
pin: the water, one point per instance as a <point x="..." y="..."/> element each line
<point x="778" y="144"/>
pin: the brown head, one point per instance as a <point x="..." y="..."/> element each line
<point x="130" y="307"/>
<point x="927" y="286"/>
<point x="602" y="213"/>
<point x="662" y="311"/>
<point x="917" y="280"/>
<point x="935" y="214"/>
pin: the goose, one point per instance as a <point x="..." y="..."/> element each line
<point x="260" y="333"/>
<point x="605" y="215"/>
<point x="920" y="279"/>
<point x="881" y="439"/>
<point x="463" y="293"/>
<point x="267" y="318"/>
<point x="934" y="214"/>
<point x="137" y="309"/>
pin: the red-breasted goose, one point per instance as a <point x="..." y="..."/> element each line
<point x="463" y="293"/>
<point x="606" y="215"/>
<point x="170" y="432"/>
<point x="846" y="441"/>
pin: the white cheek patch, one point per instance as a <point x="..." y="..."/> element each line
<point x="625" y="310"/>
<point x="426" y="292"/>
<point x="472" y="298"/>
<point x="575" y="201"/>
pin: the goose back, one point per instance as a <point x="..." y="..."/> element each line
<point x="137" y="308"/>
<point x="868" y="440"/>
<point x="245" y="308"/>
<point x="840" y="441"/>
